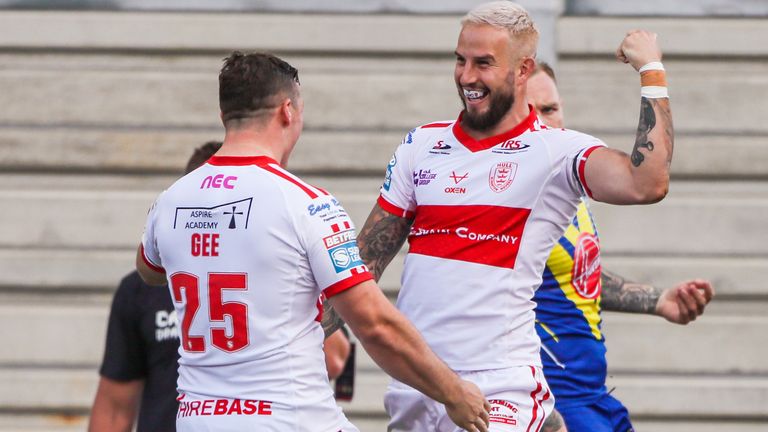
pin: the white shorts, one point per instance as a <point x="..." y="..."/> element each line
<point x="519" y="396"/>
<point x="197" y="414"/>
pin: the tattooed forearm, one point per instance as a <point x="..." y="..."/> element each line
<point x="553" y="423"/>
<point x="644" y="127"/>
<point x="381" y="237"/>
<point x="622" y="296"/>
<point x="331" y="320"/>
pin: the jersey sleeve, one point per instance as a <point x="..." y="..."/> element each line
<point x="572" y="161"/>
<point x="331" y="245"/>
<point x="124" y="353"/>
<point x="397" y="192"/>
<point x="149" y="250"/>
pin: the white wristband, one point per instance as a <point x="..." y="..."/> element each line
<point x="654" y="92"/>
<point x="651" y="66"/>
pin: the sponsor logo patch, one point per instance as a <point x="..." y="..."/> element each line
<point x="586" y="267"/>
<point x="510" y="146"/>
<point x="388" y="175"/>
<point x="501" y="176"/>
<point x="503" y="411"/>
<point x="441" y="145"/>
<point x="458" y="178"/>
<point x="409" y="138"/>
<point x="482" y="234"/>
<point x="423" y="177"/>
<point x="342" y="248"/>
<point x="232" y="215"/>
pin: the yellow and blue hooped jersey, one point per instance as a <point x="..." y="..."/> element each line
<point x="568" y="314"/>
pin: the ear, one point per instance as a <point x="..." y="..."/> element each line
<point x="286" y="112"/>
<point x="527" y="66"/>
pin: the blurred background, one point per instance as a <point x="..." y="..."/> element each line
<point x="102" y="102"/>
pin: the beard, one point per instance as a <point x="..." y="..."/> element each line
<point x="500" y="103"/>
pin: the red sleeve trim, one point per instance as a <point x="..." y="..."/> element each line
<point x="393" y="209"/>
<point x="347" y="283"/>
<point x="149" y="263"/>
<point x="582" y="165"/>
<point x="436" y="125"/>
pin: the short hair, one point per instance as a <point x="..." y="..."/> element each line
<point x="546" y="68"/>
<point x="201" y="155"/>
<point x="509" y="16"/>
<point x="252" y="82"/>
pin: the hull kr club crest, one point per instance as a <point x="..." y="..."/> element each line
<point x="501" y="176"/>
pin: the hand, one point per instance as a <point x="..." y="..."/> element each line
<point x="469" y="409"/>
<point x="683" y="303"/>
<point x="639" y="48"/>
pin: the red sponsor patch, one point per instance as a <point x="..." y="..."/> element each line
<point x="480" y="234"/>
<point x="586" y="266"/>
<point x="503" y="411"/>
<point x="501" y="176"/>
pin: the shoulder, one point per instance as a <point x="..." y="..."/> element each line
<point x="559" y="136"/>
<point x="421" y="135"/>
<point x="128" y="291"/>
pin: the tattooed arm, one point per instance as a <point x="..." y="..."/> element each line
<point x="554" y="423"/>
<point x="680" y="304"/>
<point x="381" y="238"/>
<point x="642" y="177"/>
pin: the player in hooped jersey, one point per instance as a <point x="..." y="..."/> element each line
<point x="247" y="248"/>
<point x="483" y="199"/>
<point x="574" y="289"/>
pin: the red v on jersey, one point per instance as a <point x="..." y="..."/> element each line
<point x="482" y="234"/>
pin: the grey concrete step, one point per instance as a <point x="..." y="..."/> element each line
<point x="709" y="219"/>
<point x="350" y="152"/>
<point x="10" y="422"/>
<point x="706" y="36"/>
<point x="645" y="395"/>
<point x="635" y="343"/>
<point x="346" y="94"/>
<point x="21" y="269"/>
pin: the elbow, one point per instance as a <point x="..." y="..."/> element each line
<point x="651" y="192"/>
<point x="378" y="335"/>
<point x="655" y="194"/>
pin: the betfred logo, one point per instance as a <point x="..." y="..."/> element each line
<point x="586" y="267"/>
<point x="501" y="176"/>
<point x="339" y="238"/>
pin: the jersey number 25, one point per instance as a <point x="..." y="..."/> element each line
<point x="218" y="309"/>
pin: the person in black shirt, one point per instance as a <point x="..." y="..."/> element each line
<point x="139" y="369"/>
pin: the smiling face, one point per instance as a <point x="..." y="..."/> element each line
<point x="484" y="75"/>
<point x="543" y="95"/>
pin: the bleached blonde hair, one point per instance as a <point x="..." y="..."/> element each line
<point x="511" y="17"/>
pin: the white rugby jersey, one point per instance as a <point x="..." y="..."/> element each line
<point x="248" y="249"/>
<point x="486" y="216"/>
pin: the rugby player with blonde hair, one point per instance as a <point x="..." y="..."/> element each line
<point x="482" y="200"/>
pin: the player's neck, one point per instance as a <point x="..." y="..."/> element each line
<point x="516" y="115"/>
<point x="250" y="142"/>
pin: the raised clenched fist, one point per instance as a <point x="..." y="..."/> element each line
<point x="639" y="48"/>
